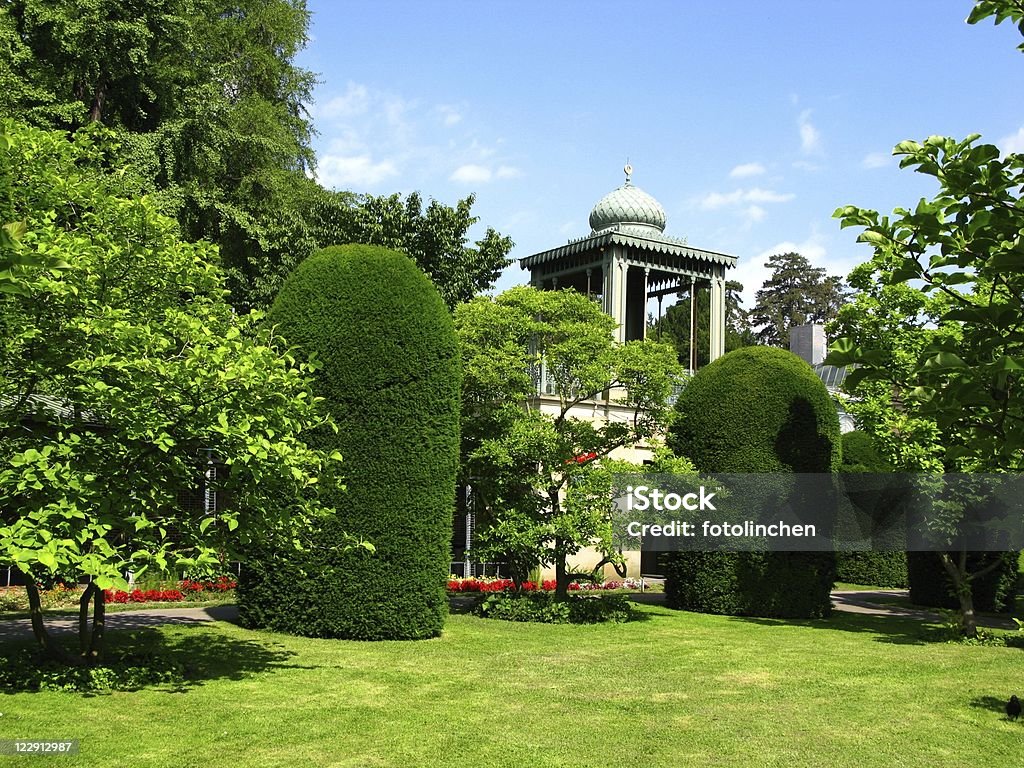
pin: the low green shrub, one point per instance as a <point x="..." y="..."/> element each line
<point x="748" y="583"/>
<point x="542" y="607"/>
<point x="26" y="671"/>
<point x="879" y="569"/>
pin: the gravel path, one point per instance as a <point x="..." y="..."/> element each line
<point x="61" y="625"/>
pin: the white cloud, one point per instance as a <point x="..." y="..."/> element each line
<point x="876" y="160"/>
<point x="471" y="174"/>
<point x="335" y="171"/>
<point x="508" y="172"/>
<point x="715" y="200"/>
<point x="804" y="165"/>
<point x="355" y="101"/>
<point x="746" y="170"/>
<point x="370" y="136"/>
<point x="810" y="137"/>
<point x="449" y="115"/>
<point x="754" y="214"/>
<point x="1012" y="143"/>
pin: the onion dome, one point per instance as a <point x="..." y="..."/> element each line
<point x="628" y="208"/>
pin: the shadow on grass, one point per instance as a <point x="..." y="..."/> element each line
<point x="991" y="703"/>
<point x="173" y="660"/>
<point x="887" y="629"/>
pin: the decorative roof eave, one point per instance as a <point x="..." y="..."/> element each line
<point x="667" y="245"/>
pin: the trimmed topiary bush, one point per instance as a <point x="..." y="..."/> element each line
<point x="885" y="566"/>
<point x="755" y="410"/>
<point x="995" y="592"/>
<point x="390" y="378"/>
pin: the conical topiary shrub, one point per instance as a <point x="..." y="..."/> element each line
<point x="390" y="377"/>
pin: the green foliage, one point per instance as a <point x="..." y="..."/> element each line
<point x="795" y="294"/>
<point x="389" y="375"/>
<point x="756" y="410"/>
<point x="434" y="237"/>
<point x="545" y="608"/>
<point x="965" y="248"/>
<point x="885" y="566"/>
<point x="995" y="591"/>
<point x="777" y="585"/>
<point x="878" y="569"/>
<point x="123" y="375"/>
<point x="1000" y="10"/>
<point x="539" y="472"/>
<point x="26" y="671"/>
<point x="208" y="105"/>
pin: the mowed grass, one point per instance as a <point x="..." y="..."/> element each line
<point x="676" y="689"/>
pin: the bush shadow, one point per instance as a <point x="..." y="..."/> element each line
<point x="991" y="703"/>
<point x="184" y="654"/>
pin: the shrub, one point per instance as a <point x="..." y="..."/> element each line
<point x="886" y="564"/>
<point x="995" y="592"/>
<point x="390" y="378"/>
<point x="543" y="607"/>
<point x="755" y="410"/>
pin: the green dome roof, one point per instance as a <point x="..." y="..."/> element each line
<point x="629" y="206"/>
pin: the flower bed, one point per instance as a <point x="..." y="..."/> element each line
<point x="456" y="584"/>
<point x="144" y="596"/>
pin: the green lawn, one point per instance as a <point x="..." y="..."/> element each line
<point x="677" y="689"/>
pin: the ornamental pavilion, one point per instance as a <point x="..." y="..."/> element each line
<point x="627" y="261"/>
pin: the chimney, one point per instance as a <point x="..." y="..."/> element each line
<point x="808" y="342"/>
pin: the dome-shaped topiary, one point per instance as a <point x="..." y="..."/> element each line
<point x="755" y="410"/>
<point x="390" y="376"/>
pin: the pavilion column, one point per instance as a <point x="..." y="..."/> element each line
<point x="693" y="323"/>
<point x="618" y="304"/>
<point x="643" y="320"/>
<point x="717" y="329"/>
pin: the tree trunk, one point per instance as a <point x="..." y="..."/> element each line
<point x="561" y="573"/>
<point x="46" y="644"/>
<point x="83" y="619"/>
<point x="964" y="593"/>
<point x="99" y="623"/>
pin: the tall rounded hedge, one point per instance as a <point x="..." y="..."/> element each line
<point x="755" y="410"/>
<point x="886" y="564"/>
<point x="390" y="376"/>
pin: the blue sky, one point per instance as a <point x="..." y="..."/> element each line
<point x="749" y="121"/>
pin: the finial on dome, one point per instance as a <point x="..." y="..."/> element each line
<point x="629" y="172"/>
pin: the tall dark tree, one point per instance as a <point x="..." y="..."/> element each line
<point x="209" y="107"/>
<point x="674" y="325"/>
<point x="795" y="294"/>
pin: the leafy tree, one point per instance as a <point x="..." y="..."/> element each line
<point x="539" y="471"/>
<point x="962" y="349"/>
<point x="674" y="325"/>
<point x="210" y="110"/>
<point x="123" y="378"/>
<point x="958" y="337"/>
<point x="795" y="294"/>
<point x="434" y="237"/>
